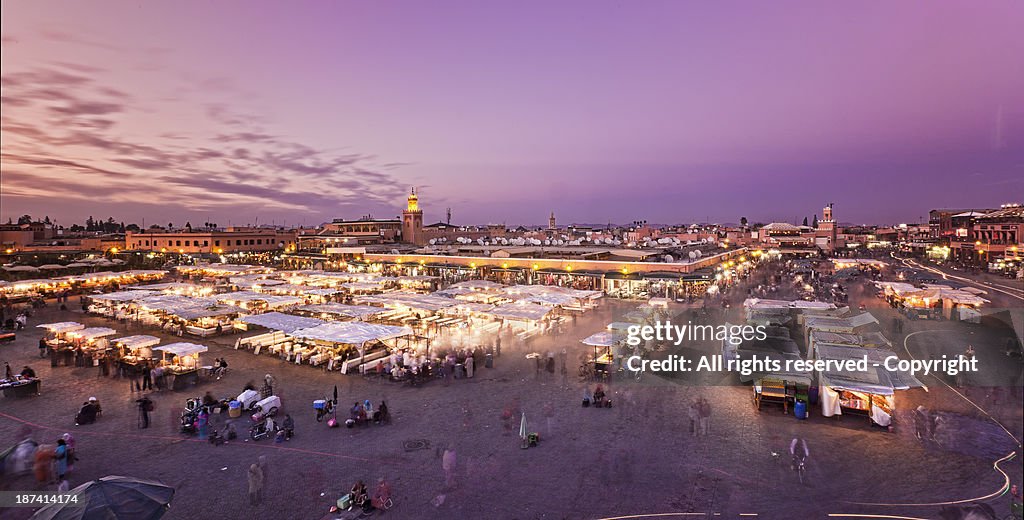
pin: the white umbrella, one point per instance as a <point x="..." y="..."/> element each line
<point x="522" y="431"/>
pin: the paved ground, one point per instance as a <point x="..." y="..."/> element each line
<point x="635" y="458"/>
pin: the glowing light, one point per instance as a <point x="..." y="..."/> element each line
<point x="505" y="265"/>
<point x="113" y="250"/>
<point x="472" y="265"/>
<point x="625" y="271"/>
<point x="568" y="268"/>
<point x="9" y="251"/>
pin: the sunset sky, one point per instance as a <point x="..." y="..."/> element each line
<point x="601" y="111"/>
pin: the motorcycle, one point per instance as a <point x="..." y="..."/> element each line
<point x="263" y="429"/>
<point x="324" y="408"/>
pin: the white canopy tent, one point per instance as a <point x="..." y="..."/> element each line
<point x="286" y="323"/>
<point x="340" y="309"/>
<point x="182" y="349"/>
<point x="92" y="333"/>
<point x="351" y="332"/>
<point x="134" y="343"/>
<point x="61" y="327"/>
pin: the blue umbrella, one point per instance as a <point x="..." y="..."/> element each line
<point x="111" y="498"/>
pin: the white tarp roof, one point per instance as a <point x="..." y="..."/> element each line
<point x="353" y="311"/>
<point x="182" y="349"/>
<point x="272" y="300"/>
<point x="351" y="332"/>
<point x="283" y="322"/>
<point x="136" y="342"/>
<point x="398" y="300"/>
<point x="876" y="380"/>
<point x="603" y="339"/>
<point x="829" y="322"/>
<point x="478" y="285"/>
<point x="526" y="291"/>
<point x="63" y="326"/>
<point x="124" y="296"/>
<point x="521" y="311"/>
<point x="764" y="304"/>
<point x="94" y="332"/>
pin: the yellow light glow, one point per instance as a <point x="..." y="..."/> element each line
<point x="398" y="260"/>
<point x="9" y="251"/>
<point x="625" y="271"/>
<point x="181" y="251"/>
<point x="977" y="243"/>
<point x="504" y="266"/>
<point x="743" y="259"/>
<point x="113" y="250"/>
<point x="422" y="262"/>
<point x="535" y="267"/>
<point x="163" y="249"/>
<point x="568" y="268"/>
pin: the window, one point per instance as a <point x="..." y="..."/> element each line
<point x="260" y="241"/>
<point x="147" y="242"/>
<point x="186" y="243"/>
<point x="206" y="243"/>
<point x="177" y="242"/>
<point x="216" y="243"/>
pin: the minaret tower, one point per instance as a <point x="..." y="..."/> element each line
<point x="412" y="220"/>
<point x="551" y="221"/>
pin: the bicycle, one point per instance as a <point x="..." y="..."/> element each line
<point x="799" y="465"/>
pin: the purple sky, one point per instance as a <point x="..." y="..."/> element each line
<point x="601" y="111"/>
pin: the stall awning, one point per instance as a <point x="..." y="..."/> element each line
<point x="603" y="339"/>
<point x="283" y="322"/>
<point x="134" y="343"/>
<point x="340" y="309"/>
<point x="124" y="296"/>
<point x="351" y="332"/>
<point x="521" y="311"/>
<point x="61" y="327"/>
<point x="182" y="349"/>
<point x="93" y="333"/>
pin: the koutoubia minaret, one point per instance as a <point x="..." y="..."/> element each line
<point x="551" y="221"/>
<point x="412" y="220"/>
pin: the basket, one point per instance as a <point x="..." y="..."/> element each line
<point x="319" y="404"/>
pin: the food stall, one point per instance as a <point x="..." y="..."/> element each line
<point x="180" y="362"/>
<point x="869" y="392"/>
<point x="90" y="342"/>
<point x="337" y="311"/>
<point x="57" y="338"/>
<point x="134" y="350"/>
<point x="603" y="342"/>
<point x="344" y="345"/>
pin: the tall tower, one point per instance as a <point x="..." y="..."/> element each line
<point x="412" y="220"/>
<point x="827" y="228"/>
<point x="551" y="221"/>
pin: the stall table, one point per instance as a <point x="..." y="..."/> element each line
<point x="20" y="387"/>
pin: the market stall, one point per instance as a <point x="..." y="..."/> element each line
<point x="869" y="392"/>
<point x="344" y="345"/>
<point x="135" y="350"/>
<point x="56" y="336"/>
<point x="90" y="343"/>
<point x="180" y="362"/>
<point x="335" y="311"/>
<point x="603" y="357"/>
<point x="19" y="386"/>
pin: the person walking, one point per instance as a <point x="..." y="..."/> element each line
<point x="70" y="442"/>
<point x="42" y="348"/>
<point x="694" y="415"/>
<point x="261" y="461"/>
<point x="145" y="406"/>
<point x="60" y="454"/>
<point x="704" y="413"/>
<point x="469" y="366"/>
<point x="147" y="377"/>
<point x="255" y="484"/>
<point x="448" y="460"/>
<point x="8" y="373"/>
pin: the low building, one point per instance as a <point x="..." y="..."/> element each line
<point x="232" y="240"/>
